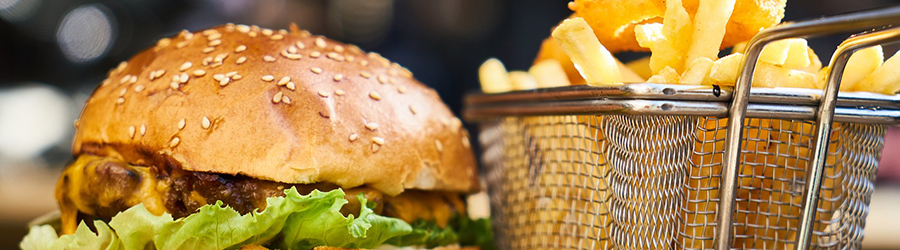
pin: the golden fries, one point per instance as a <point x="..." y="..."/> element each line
<point x="641" y="67"/>
<point x="698" y="72"/>
<point x="884" y="79"/>
<point x="521" y="80"/>
<point x="862" y="63"/>
<point x="493" y="77"/>
<point x="549" y="73"/>
<point x="593" y="61"/>
<point x="710" y="20"/>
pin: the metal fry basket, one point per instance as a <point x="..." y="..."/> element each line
<point x="667" y="166"/>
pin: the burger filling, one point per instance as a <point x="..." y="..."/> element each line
<point x="96" y="187"/>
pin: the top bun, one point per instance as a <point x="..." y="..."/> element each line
<point x="277" y="105"/>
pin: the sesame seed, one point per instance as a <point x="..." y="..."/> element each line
<point x="199" y="72"/>
<point x="174" y="142"/>
<point x="121" y="66"/>
<point x="205" y="122"/>
<point x="138" y="88"/>
<point x="267" y="32"/>
<point x="354" y="136"/>
<point x="333" y="55"/>
<point x="206" y="61"/>
<point x="163" y="42"/>
<point x="438" y="145"/>
<point x="243" y="28"/>
<point x="372" y="126"/>
<point x="350" y="58"/>
<point x="123" y="91"/>
<point x="413" y="109"/>
<point x="283" y="31"/>
<point x="237" y="77"/>
<point x="338" y="77"/>
<point x="220" y="57"/>
<point x="229" y="27"/>
<point x="339" y="92"/>
<point x="124" y="79"/>
<point x="184" y="78"/>
<point x="465" y="142"/>
<point x="291" y="86"/>
<point x="382" y="79"/>
<point x="323" y="94"/>
<point x="120" y="100"/>
<point x="365" y="74"/>
<point x="292" y="49"/>
<point x="277" y="37"/>
<point x="143" y="129"/>
<point x="174" y="85"/>
<point x="268" y="78"/>
<point x="182" y="123"/>
<point x="230" y="74"/>
<point x="251" y="33"/>
<point x="214" y="36"/>
<point x="268" y="58"/>
<point x="277" y="97"/>
<point x="288" y="55"/>
<point x="131" y="131"/>
<point x="378" y="140"/>
<point x="240" y="48"/>
<point x="181" y="44"/>
<point x="300" y="45"/>
<point x="315" y="54"/>
<point x="214" y="43"/>
<point x="133" y="79"/>
<point x="241" y="60"/>
<point x="375" y="147"/>
<point x="338" y="48"/>
<point x="320" y="42"/>
<point x="185" y="66"/>
<point x="401" y="89"/>
<point x="364" y="63"/>
<point x="224" y="81"/>
<point x="208" y="49"/>
<point x="375" y="95"/>
<point x="286" y="100"/>
<point x="187" y="35"/>
<point x="209" y="32"/>
<point x="218" y="77"/>
<point x="216" y="65"/>
<point x="284" y="80"/>
<point x="316" y="70"/>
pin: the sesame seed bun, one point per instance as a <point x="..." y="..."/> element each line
<point x="279" y="105"/>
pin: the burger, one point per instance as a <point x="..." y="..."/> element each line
<point x="244" y="137"/>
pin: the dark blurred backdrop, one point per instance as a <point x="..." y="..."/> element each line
<point x="54" y="52"/>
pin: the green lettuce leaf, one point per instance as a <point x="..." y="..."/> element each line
<point x="475" y="232"/>
<point x="291" y="222"/>
<point x="426" y="233"/>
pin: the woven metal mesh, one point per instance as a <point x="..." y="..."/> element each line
<point x="651" y="182"/>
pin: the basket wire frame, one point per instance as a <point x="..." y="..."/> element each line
<point x="651" y="182"/>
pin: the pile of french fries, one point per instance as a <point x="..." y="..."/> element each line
<point x="684" y="50"/>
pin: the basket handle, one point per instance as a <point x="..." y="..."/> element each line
<point x="824" y="118"/>
<point x="846" y="23"/>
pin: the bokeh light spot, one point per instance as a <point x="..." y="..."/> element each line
<point x="86" y="33"/>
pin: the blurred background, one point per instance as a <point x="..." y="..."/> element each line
<point x="54" y="52"/>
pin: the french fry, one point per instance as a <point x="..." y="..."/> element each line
<point x="862" y="63"/>
<point x="770" y="76"/>
<point x="698" y="72"/>
<point x="549" y="73"/>
<point x="593" y="61"/>
<point x="710" y="20"/>
<point x="666" y="75"/>
<point x="798" y="55"/>
<point x="521" y="80"/>
<point x="726" y="68"/>
<point x="641" y="67"/>
<point x="669" y="42"/>
<point x="493" y="77"/>
<point x="776" y="52"/>
<point x="884" y="79"/>
<point x="814" y="63"/>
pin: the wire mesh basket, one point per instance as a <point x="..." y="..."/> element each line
<point x="652" y="166"/>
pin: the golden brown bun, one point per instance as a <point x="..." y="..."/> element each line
<point x="315" y="133"/>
